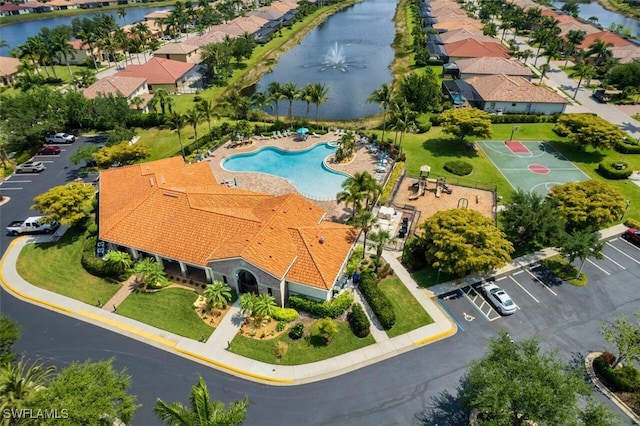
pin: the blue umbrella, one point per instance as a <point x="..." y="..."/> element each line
<point x="302" y="130"/>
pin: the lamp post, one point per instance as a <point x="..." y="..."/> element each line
<point x="513" y="130"/>
<point x="439" y="270"/>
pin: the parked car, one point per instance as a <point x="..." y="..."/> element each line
<point x="32" y="225"/>
<point x="499" y="298"/>
<point x="632" y="234"/>
<point x="49" y="150"/>
<point x="60" y="138"/>
<point x="30" y="167"/>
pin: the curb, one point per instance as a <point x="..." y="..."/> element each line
<point x="588" y="364"/>
<point x="443" y="334"/>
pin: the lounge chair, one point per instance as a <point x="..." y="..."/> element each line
<point x="315" y="135"/>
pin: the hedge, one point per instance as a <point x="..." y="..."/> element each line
<point x="608" y="170"/>
<point x="377" y="300"/>
<point x="510" y="118"/>
<point x="284" y="314"/>
<point x="632" y="223"/>
<point x="624" y="379"/>
<point x="626" y="146"/>
<point x="358" y="321"/>
<point x="458" y="167"/>
<point x="90" y="262"/>
<point x="332" y="309"/>
<point x="296" y="331"/>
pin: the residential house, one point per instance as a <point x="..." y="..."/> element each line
<point x="9" y="9"/>
<point x="182" y="52"/>
<point x="128" y="87"/>
<point x="455" y="24"/>
<point x="472" y="48"/>
<point x="464" y="34"/>
<point x="62" y="5"/>
<point x="513" y="94"/>
<point x="81" y="53"/>
<point x="8" y="69"/>
<point x="172" y="76"/>
<point x="179" y="215"/>
<point x="475" y="67"/>
<point x="37" y="7"/>
<point x="621" y="49"/>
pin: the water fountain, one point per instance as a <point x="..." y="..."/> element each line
<point x="335" y="59"/>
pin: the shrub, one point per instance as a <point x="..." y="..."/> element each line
<point x="377" y="300"/>
<point x="458" y="167"/>
<point x="632" y="223"/>
<point x="296" y="331"/>
<point x="324" y="330"/>
<point x="624" y="379"/>
<point x="284" y="314"/>
<point x="354" y="260"/>
<point x="92" y="229"/>
<point x="280" y="349"/>
<point x="396" y="172"/>
<point x="612" y="169"/>
<point x="90" y="262"/>
<point x="281" y="325"/>
<point x="627" y="146"/>
<point x="561" y="130"/>
<point x="332" y="309"/>
<point x="358" y="321"/>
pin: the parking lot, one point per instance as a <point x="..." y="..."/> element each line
<point x="542" y="298"/>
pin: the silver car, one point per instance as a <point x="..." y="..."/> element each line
<point x="499" y="298"/>
<point x="30" y="167"/>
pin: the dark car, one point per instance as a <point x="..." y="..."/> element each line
<point x="49" y="150"/>
<point x="632" y="234"/>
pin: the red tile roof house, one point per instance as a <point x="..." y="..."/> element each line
<point x="173" y="76"/>
<point x="516" y="95"/>
<point x="472" y="48"/>
<point x="128" y="87"/>
<point x="9" y="9"/>
<point x="475" y="67"/>
<point x="178" y="214"/>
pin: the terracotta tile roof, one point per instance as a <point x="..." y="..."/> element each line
<point x="116" y="85"/>
<point x="560" y="17"/>
<point x="576" y="26"/>
<point x="157" y="14"/>
<point x="607" y="36"/>
<point x="455" y="24"/>
<point x="60" y="3"/>
<point x="465" y="34"/>
<point x="10" y="7"/>
<point x="266" y="13"/>
<point x="213" y="36"/>
<point x="492" y="65"/>
<point x="175" y="48"/>
<point x="8" y="66"/>
<point x="180" y="212"/>
<point x="283" y="6"/>
<point x="502" y="88"/>
<point x="626" y="54"/>
<point x="472" y="48"/>
<point x="158" y="71"/>
<point x="35" y="4"/>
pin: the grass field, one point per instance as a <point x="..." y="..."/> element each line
<point x="302" y="351"/>
<point x="56" y="267"/>
<point x="170" y="309"/>
<point x="427" y="277"/>
<point x="409" y="313"/>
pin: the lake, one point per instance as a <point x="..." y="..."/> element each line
<point x="605" y="17"/>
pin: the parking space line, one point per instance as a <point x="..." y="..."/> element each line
<point x="16" y="181"/>
<point x="541" y="282"/>
<point x="516" y="273"/>
<point x="623" y="253"/>
<point x="524" y="289"/>
<point x="631" y="244"/>
<point x="612" y="261"/>
<point x="501" y="278"/>
<point x="11" y="189"/>
<point x="45" y="161"/>
<point x="480" y="307"/>
<point x="597" y="266"/>
<point x="473" y="303"/>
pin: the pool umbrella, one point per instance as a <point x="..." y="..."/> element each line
<point x="302" y="130"/>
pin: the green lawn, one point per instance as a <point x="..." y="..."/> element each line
<point x="56" y="267"/>
<point x="302" y="351"/>
<point x="409" y="313"/>
<point x="170" y="309"/>
<point x="426" y="277"/>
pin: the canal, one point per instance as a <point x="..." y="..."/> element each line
<point x="605" y="17"/>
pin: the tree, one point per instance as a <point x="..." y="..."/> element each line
<point x="319" y="96"/>
<point x="263" y="307"/>
<point x="581" y="244"/>
<point x="21" y="381"/>
<point x="571" y="7"/>
<point x="422" y="92"/>
<point x="382" y="97"/>
<point x="275" y="94"/>
<point x="530" y="220"/>
<point x="194" y="117"/>
<point x="463" y="122"/>
<point x="247" y="302"/>
<point x="217" y="294"/>
<point x="625" y="336"/>
<point x="162" y="96"/>
<point x="589" y="130"/>
<point x="150" y="273"/>
<point x="582" y="71"/>
<point x="589" y="204"/>
<point x="544" y="69"/>
<point x="290" y="92"/>
<point x="574" y="38"/>
<point x="463" y="241"/>
<point x="202" y="410"/>
<point x="89" y="391"/>
<point x="365" y="220"/>
<point x="380" y="239"/>
<point x="624" y="75"/>
<point x="177" y="122"/>
<point x="516" y="384"/>
<point x="117" y="261"/>
<point x="325" y="329"/>
<point x="9" y="333"/>
<point x="121" y="154"/>
<point x="261" y="101"/>
<point x="67" y="204"/>
<point x="207" y="110"/>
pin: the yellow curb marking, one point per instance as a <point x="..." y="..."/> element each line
<point x="440" y="335"/>
<point x="228" y="367"/>
<point x="126" y="327"/>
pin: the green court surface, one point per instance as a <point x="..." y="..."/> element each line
<point x="531" y="166"/>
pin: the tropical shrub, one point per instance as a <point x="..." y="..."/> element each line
<point x="90" y="262"/>
<point x="458" y="167"/>
<point x="281" y="325"/>
<point x="324" y="330"/>
<point x="624" y="379"/>
<point x="377" y="300"/>
<point x="296" y="331"/>
<point x="284" y="314"/>
<point x="396" y="172"/>
<point x="332" y="309"/>
<point x="632" y="223"/>
<point x="627" y="146"/>
<point x="280" y="349"/>
<point x="358" y="321"/>
<point x="612" y="169"/>
<point x="354" y="260"/>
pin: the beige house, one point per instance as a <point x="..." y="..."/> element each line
<point x="62" y="5"/>
<point x="476" y="67"/>
<point x="128" y="87"/>
<point x="8" y="69"/>
<point x="172" y="76"/>
<point x="179" y="52"/>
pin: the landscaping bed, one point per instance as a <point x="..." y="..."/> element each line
<point x="621" y="381"/>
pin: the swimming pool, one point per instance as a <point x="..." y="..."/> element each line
<point x="303" y="169"/>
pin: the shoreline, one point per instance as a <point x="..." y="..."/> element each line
<point x="612" y="6"/>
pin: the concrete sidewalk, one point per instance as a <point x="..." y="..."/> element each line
<point x="214" y="352"/>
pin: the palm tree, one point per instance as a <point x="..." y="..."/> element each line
<point x="142" y="32"/>
<point x="217" y="294"/>
<point x="350" y="195"/>
<point x="574" y="38"/>
<point x="247" y="303"/>
<point x="365" y="220"/>
<point x="290" y="92"/>
<point x="149" y="272"/>
<point x="177" y="122"/>
<point x="117" y="261"/>
<point x="19" y="381"/>
<point x="275" y="94"/>
<point x="202" y="410"/>
<point x="380" y="239"/>
<point x="90" y="38"/>
<point x="161" y="95"/>
<point x="544" y="69"/>
<point x="263" y="307"/>
<point x="404" y="117"/>
<point x="600" y="49"/>
<point x="60" y="44"/>
<point x="122" y="13"/>
<point x="206" y="108"/>
<point x="305" y="94"/>
<point x="382" y="97"/>
<point x="137" y="101"/>
<point x="319" y="96"/>
<point x="583" y="70"/>
<point x="194" y="117"/>
<point x="261" y="101"/>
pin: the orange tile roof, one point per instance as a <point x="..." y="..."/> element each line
<point x="472" y="48"/>
<point x="454" y="24"/>
<point x="158" y="71"/>
<point x="502" y="88"/>
<point x="180" y="212"/>
<point x="465" y="34"/>
<point x="607" y="36"/>
<point x="116" y="85"/>
<point x="8" y="66"/>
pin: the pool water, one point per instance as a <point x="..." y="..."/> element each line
<point x="303" y="169"/>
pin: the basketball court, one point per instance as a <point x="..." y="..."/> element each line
<point x="531" y="166"/>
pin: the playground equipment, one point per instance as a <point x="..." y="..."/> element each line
<point x="421" y="188"/>
<point x="463" y="203"/>
<point x="441" y="186"/>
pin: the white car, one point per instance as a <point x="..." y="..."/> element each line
<point x="499" y="298"/>
<point x="30" y="167"/>
<point x="60" y="138"/>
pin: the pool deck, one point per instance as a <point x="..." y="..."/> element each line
<point x="260" y="182"/>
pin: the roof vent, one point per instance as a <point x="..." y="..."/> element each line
<point x="162" y="179"/>
<point x="152" y="182"/>
<point x="170" y="194"/>
<point x="321" y="240"/>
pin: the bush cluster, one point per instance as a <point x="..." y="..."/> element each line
<point x="458" y="167"/>
<point x="332" y="309"/>
<point x="509" y="118"/>
<point x="284" y="314"/>
<point x="358" y="321"/>
<point x="377" y="300"/>
<point x="632" y="223"/>
<point x="281" y="325"/>
<point x="608" y="170"/>
<point x="296" y="331"/>
<point x="90" y="262"/>
<point x="623" y="379"/>
<point x="627" y="146"/>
